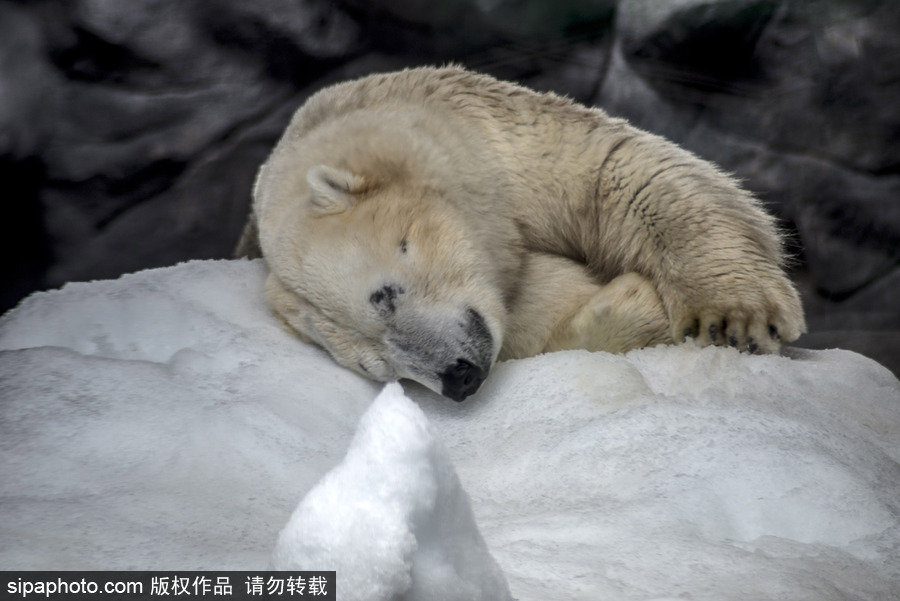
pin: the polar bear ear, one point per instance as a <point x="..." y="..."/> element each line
<point x="332" y="190"/>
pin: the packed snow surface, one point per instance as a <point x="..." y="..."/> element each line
<point x="165" y="421"/>
<point x="392" y="518"/>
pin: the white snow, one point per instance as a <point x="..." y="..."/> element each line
<point x="165" y="421"/>
<point x="392" y="519"/>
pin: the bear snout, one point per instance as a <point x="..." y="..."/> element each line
<point x="450" y="353"/>
<point x="461" y="380"/>
<point x="464" y="377"/>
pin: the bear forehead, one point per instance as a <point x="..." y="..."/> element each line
<point x="390" y="216"/>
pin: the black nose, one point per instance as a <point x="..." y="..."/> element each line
<point x="461" y="380"/>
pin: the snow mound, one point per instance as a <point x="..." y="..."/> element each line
<point x="392" y="519"/>
<point x="165" y="421"/>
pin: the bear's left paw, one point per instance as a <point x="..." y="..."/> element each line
<point x="734" y="330"/>
<point x="754" y="310"/>
<point x="754" y="331"/>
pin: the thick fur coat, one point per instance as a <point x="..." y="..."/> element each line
<point x="426" y="223"/>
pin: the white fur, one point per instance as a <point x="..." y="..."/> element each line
<point x="560" y="226"/>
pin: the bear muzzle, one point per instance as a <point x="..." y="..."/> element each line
<point x="451" y="354"/>
<point x="464" y="377"/>
<point x="462" y="380"/>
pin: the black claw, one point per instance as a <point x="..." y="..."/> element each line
<point x="752" y="346"/>
<point x="732" y="340"/>
<point x="691" y="331"/>
<point x="713" y="332"/>
<point x="773" y="332"/>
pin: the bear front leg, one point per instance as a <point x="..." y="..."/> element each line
<point x="622" y="315"/>
<point x="714" y="255"/>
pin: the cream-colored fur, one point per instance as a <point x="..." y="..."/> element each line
<point x="425" y="223"/>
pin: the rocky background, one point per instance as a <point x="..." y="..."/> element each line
<point x="130" y="132"/>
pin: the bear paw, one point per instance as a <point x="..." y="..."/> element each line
<point x="625" y="314"/>
<point x="753" y="329"/>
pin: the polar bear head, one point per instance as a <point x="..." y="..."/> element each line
<point x="393" y="279"/>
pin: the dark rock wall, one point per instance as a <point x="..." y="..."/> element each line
<point x="130" y="133"/>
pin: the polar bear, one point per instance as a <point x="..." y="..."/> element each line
<point x="427" y="223"/>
